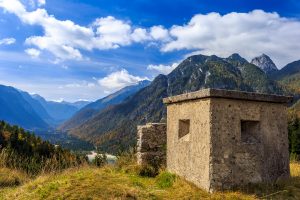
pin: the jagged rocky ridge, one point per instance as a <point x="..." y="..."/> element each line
<point x="265" y="63"/>
<point x="114" y="128"/>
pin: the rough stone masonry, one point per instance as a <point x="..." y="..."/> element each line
<point x="151" y="144"/>
<point x="219" y="139"/>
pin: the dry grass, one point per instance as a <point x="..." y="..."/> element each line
<point x="11" y="178"/>
<point x="111" y="183"/>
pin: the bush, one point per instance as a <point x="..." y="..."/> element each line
<point x="165" y="179"/>
<point x="126" y="161"/>
<point x="294" y="135"/>
<point x="148" y="171"/>
<point x="100" y="160"/>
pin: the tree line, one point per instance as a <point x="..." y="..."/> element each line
<point x="23" y="150"/>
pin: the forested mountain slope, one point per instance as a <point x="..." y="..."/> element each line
<point x="114" y="128"/>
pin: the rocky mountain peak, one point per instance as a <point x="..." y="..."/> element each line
<point x="265" y="63"/>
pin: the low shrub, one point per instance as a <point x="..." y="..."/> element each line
<point x="100" y="160"/>
<point x="126" y="162"/>
<point x="165" y="179"/>
<point x="148" y="171"/>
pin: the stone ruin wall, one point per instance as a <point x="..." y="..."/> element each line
<point x="151" y="144"/>
<point x="241" y="159"/>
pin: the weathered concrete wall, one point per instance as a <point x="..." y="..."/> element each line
<point x="235" y="161"/>
<point x="151" y="144"/>
<point x="234" y="138"/>
<point x="188" y="156"/>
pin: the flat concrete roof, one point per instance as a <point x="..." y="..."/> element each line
<point x="227" y="94"/>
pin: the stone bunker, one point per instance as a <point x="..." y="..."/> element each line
<point x="219" y="139"/>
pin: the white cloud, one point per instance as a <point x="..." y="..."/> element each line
<point x="60" y="100"/>
<point x="163" y="69"/>
<point x="41" y="2"/>
<point x="65" y="39"/>
<point x="159" y="33"/>
<point x="118" y="80"/>
<point x="7" y="41"/>
<point x="34" y="53"/>
<point x="81" y="84"/>
<point x="249" y="34"/>
<point x="140" y="35"/>
<point x="35" y="3"/>
<point x="112" y="32"/>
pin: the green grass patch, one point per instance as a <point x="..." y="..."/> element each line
<point x="165" y="179"/>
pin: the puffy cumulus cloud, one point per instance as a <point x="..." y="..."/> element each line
<point x="159" y="33"/>
<point x="34" y="53"/>
<point x="118" y="80"/>
<point x="35" y="3"/>
<point x="65" y="39"/>
<point x="140" y="35"/>
<point x="112" y="33"/>
<point x="41" y="2"/>
<point x="163" y="69"/>
<point x="249" y="34"/>
<point x="7" y="41"/>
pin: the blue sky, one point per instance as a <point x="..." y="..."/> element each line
<point x="86" y="49"/>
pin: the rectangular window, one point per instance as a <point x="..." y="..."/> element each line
<point x="250" y="131"/>
<point x="184" y="128"/>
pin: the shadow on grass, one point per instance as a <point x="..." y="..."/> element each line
<point x="288" y="189"/>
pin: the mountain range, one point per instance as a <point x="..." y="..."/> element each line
<point x="90" y="110"/>
<point x="33" y="112"/>
<point x="114" y="128"/>
<point x="59" y="111"/>
<point x="15" y="109"/>
<point x="110" y="122"/>
<point x="288" y="76"/>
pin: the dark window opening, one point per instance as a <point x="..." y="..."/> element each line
<point x="250" y="131"/>
<point x="184" y="127"/>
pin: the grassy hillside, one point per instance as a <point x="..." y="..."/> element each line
<point x="112" y="183"/>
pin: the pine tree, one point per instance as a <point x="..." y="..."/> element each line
<point x="294" y="135"/>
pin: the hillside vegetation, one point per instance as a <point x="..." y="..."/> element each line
<point x="24" y="151"/>
<point x="289" y="76"/>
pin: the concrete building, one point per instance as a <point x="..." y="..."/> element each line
<point x="218" y="139"/>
